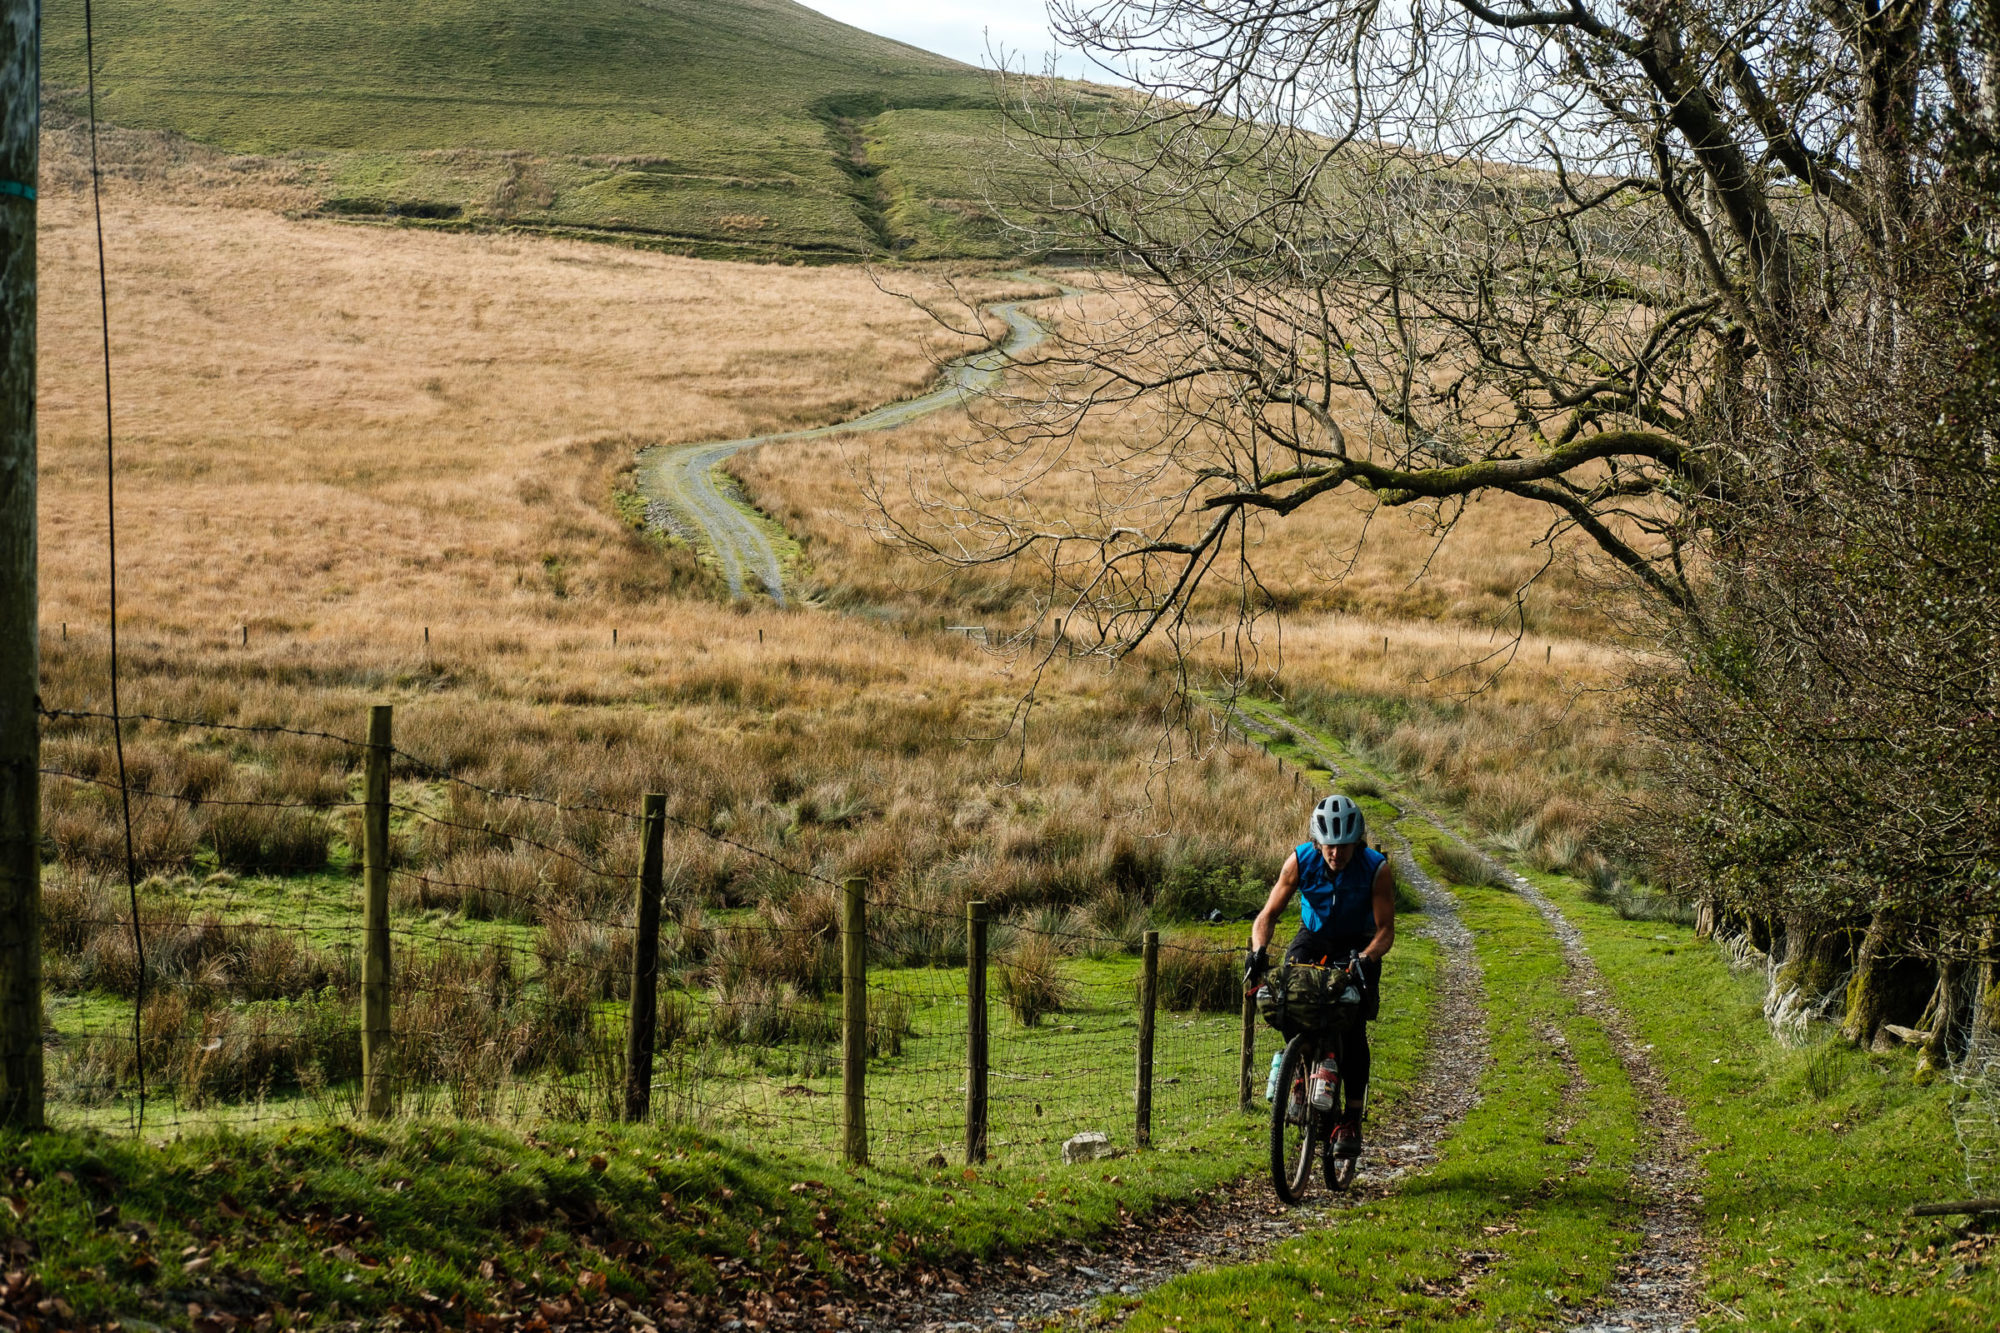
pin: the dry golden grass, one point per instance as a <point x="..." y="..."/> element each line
<point x="1528" y="753"/>
<point x="1340" y="555"/>
<point x="334" y="430"/>
<point x="340" y="437"/>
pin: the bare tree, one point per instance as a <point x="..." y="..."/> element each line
<point x="1561" y="249"/>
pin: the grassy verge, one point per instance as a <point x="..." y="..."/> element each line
<point x="326" y="1221"/>
<point x="1525" y="1213"/>
<point x="1813" y="1155"/>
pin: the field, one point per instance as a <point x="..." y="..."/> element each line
<point x="710" y="126"/>
<point x="363" y="465"/>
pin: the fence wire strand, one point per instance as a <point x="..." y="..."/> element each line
<point x="512" y="940"/>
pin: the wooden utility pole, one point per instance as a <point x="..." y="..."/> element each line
<point x="643" y="1016"/>
<point x="854" y="1020"/>
<point x="975" y="1033"/>
<point x="375" y="1028"/>
<point x="1149" y="994"/>
<point x="20" y="658"/>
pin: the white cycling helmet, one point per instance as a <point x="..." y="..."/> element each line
<point x="1338" y="820"/>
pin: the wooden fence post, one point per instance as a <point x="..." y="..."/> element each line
<point x="1247" y="1062"/>
<point x="1149" y="993"/>
<point x="975" y="1033"/>
<point x="643" y="1017"/>
<point x="854" y="1020"/>
<point x="375" y="1029"/>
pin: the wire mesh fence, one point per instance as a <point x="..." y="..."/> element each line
<point x="219" y="973"/>
<point x="1976" y="1074"/>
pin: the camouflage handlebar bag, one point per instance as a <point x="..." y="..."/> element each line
<point x="1298" y="997"/>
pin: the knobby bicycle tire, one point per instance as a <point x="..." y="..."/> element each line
<point x="1293" y="1117"/>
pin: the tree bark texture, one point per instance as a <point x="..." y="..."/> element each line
<point x="1867" y="991"/>
<point x="1812" y="958"/>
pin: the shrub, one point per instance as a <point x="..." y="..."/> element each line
<point x="889" y="1022"/>
<point x="1031" y="979"/>
<point x="1634" y="902"/>
<point x="1195" y="891"/>
<point x="1109" y="924"/>
<point x="1825" y="1070"/>
<point x="76" y="905"/>
<point x="481" y="885"/>
<point x="589" y="957"/>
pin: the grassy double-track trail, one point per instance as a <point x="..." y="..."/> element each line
<point x="1558" y="1195"/>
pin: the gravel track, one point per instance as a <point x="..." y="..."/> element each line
<point x="687" y="495"/>
<point x="1054" y="1286"/>
<point x="1658" y="1288"/>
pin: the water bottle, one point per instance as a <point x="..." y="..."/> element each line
<point x="1271" y="1083"/>
<point x="1322" y="1085"/>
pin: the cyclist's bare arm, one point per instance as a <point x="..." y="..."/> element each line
<point x="1266" y="923"/>
<point x="1385" y="913"/>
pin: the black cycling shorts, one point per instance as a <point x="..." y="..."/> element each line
<point x="1310" y="946"/>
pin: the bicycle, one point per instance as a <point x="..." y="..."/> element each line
<point x="1315" y="1006"/>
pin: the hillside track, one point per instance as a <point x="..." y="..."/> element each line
<point x="1053" y="1286"/>
<point x="687" y="495"/>
<point x="1658" y="1288"/>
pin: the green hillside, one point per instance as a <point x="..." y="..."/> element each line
<point x="732" y="125"/>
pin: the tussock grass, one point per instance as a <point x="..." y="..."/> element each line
<point x="1031" y="980"/>
<point x="1195" y="974"/>
<point x="1465" y="865"/>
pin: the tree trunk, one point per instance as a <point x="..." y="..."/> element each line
<point x="1704" y="919"/>
<point x="1811" y="959"/>
<point x="1937" y="1046"/>
<point x="1986" y="994"/>
<point x="1867" y="992"/>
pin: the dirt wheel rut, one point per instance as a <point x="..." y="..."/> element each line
<point x="1242" y="1221"/>
<point x="1657" y="1289"/>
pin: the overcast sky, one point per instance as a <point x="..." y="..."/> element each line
<point x="968" y="30"/>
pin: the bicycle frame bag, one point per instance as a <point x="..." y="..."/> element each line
<point x="1298" y="997"/>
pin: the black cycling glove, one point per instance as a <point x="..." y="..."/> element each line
<point x="1255" y="964"/>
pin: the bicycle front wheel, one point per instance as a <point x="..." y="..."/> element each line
<point x="1295" y="1126"/>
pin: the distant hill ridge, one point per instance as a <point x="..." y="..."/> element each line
<point x="729" y="127"/>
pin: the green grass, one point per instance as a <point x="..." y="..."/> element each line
<point x="1811" y="1156"/>
<point x="707" y="120"/>
<point x="1525" y="1213"/>
<point x="465" y="1211"/>
<point x="1814" y="1155"/>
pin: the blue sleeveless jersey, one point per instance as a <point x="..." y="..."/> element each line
<point x="1341" y="906"/>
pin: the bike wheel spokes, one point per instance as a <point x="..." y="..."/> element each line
<point x="1302" y="1160"/>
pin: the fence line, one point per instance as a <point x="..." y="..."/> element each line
<point x="461" y="958"/>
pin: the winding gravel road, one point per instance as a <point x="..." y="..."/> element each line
<point x="687" y="495"/>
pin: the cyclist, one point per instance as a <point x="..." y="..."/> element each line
<point x="1347" y="906"/>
